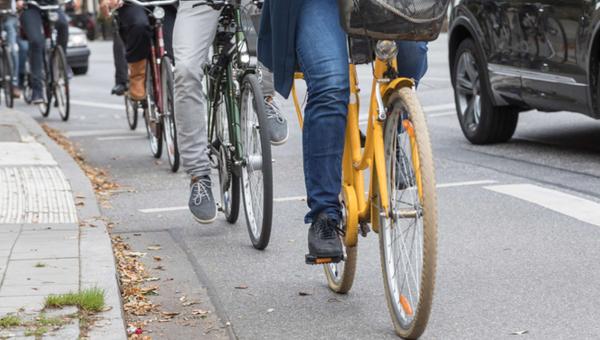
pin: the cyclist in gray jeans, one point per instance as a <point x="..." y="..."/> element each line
<point x="194" y="32"/>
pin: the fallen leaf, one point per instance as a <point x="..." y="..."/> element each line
<point x="150" y="279"/>
<point x="199" y="312"/>
<point x="134" y="253"/>
<point x="189" y="303"/>
<point x="304" y="293"/>
<point x="181" y="299"/>
<point x="157" y="258"/>
<point x="169" y="314"/>
<point x="159" y="268"/>
<point x="154" y="247"/>
<point x="241" y="287"/>
<point x="137" y="234"/>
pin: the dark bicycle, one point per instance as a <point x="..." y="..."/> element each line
<point x="238" y="138"/>
<point x="6" y="66"/>
<point x="56" y="79"/>
<point x="158" y="107"/>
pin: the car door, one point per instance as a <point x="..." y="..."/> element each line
<point x="552" y="78"/>
<point x="501" y="30"/>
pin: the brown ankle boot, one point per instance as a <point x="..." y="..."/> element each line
<point x="137" y="79"/>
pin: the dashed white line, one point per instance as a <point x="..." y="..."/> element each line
<point x="98" y="105"/>
<point x="303" y="198"/>
<point x="120" y="138"/>
<point x="570" y="205"/>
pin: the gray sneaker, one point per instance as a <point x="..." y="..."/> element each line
<point x="202" y="203"/>
<point x="277" y="123"/>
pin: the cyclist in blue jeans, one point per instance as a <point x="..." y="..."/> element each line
<point x="306" y="34"/>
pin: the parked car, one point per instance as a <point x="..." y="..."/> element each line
<point x="78" y="53"/>
<point x="511" y="56"/>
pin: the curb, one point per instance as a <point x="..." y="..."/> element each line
<point x="97" y="262"/>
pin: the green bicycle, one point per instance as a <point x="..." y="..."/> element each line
<point x="239" y="141"/>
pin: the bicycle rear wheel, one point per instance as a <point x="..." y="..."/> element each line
<point x="60" y="83"/>
<point x="131" y="110"/>
<point x="257" y="171"/>
<point x="47" y="84"/>
<point x="408" y="233"/>
<point x="340" y="276"/>
<point x="7" y="78"/>
<point x="153" y="124"/>
<point x="170" y="130"/>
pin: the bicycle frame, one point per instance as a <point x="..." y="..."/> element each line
<point x="226" y="79"/>
<point x="360" y="208"/>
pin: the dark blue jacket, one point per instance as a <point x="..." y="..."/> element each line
<point x="277" y="41"/>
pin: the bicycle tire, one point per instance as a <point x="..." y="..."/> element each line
<point x="409" y="316"/>
<point x="229" y="182"/>
<point x="153" y="124"/>
<point x="259" y="215"/>
<point x="7" y="78"/>
<point x="170" y="129"/>
<point x="131" y="111"/>
<point x="60" y="83"/>
<point x="46" y="83"/>
<point x="340" y="276"/>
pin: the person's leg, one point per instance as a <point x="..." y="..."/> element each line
<point x="412" y="59"/>
<point x="168" y="24"/>
<point x="191" y="54"/>
<point x="10" y="26"/>
<point x="135" y="29"/>
<point x="23" y="53"/>
<point x="62" y="30"/>
<point x="323" y="57"/>
<point x="120" y="64"/>
<point x="31" y="21"/>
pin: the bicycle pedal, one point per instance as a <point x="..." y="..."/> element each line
<point x="310" y="259"/>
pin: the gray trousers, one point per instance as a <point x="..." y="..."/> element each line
<point x="193" y="34"/>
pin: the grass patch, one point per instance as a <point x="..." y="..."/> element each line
<point x="91" y="300"/>
<point x="43" y="320"/>
<point x="37" y="332"/>
<point x="10" y="321"/>
<point x="40" y="265"/>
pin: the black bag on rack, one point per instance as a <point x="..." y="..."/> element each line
<point x="393" y="19"/>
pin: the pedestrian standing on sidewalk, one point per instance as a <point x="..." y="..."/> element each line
<point x="191" y="54"/>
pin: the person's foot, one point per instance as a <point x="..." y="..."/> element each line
<point x="37" y="97"/>
<point x="278" y="127"/>
<point x="324" y="244"/>
<point x="119" y="89"/>
<point x="202" y="203"/>
<point x="16" y="93"/>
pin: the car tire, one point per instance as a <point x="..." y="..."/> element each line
<point x="80" y="70"/>
<point x="480" y="121"/>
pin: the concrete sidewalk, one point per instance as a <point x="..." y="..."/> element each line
<point x="52" y="237"/>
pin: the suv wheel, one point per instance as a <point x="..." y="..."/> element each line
<point x="480" y="121"/>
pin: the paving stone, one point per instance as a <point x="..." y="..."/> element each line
<point x="7" y="241"/>
<point x="37" y="290"/>
<point x="15" y="153"/>
<point x="10" y="228"/>
<point x="42" y="244"/>
<point x="66" y="332"/>
<point x="9" y="133"/>
<point x="22" y="304"/>
<point x="60" y="271"/>
<point x="50" y="226"/>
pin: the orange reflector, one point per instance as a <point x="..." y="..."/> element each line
<point x="406" y="305"/>
<point x="323" y="260"/>
<point x="408" y="127"/>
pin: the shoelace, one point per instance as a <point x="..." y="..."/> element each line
<point x="273" y="110"/>
<point x="329" y="229"/>
<point x="200" y="190"/>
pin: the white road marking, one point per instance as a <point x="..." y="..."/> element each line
<point x="463" y="184"/>
<point x="303" y="198"/>
<point x="88" y="133"/>
<point x="120" y="138"/>
<point x="98" y="105"/>
<point x="573" y="206"/>
<point x="155" y="210"/>
<point x="435" y="115"/>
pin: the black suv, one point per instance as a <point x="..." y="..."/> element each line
<point x="512" y="56"/>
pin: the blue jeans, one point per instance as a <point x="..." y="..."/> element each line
<point x="11" y="27"/>
<point x="323" y="58"/>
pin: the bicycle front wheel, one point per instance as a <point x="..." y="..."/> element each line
<point x="257" y="171"/>
<point x="60" y="83"/>
<point x="170" y="130"/>
<point x="131" y="110"/>
<point x="153" y="123"/>
<point x="408" y="232"/>
<point x="7" y="77"/>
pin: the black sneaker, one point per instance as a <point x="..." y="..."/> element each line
<point x="37" y="97"/>
<point x="202" y="203"/>
<point x="119" y="89"/>
<point x="324" y="244"/>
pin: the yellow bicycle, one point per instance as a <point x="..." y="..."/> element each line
<point x="400" y="204"/>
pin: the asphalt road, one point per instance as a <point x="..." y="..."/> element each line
<point x="515" y="253"/>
